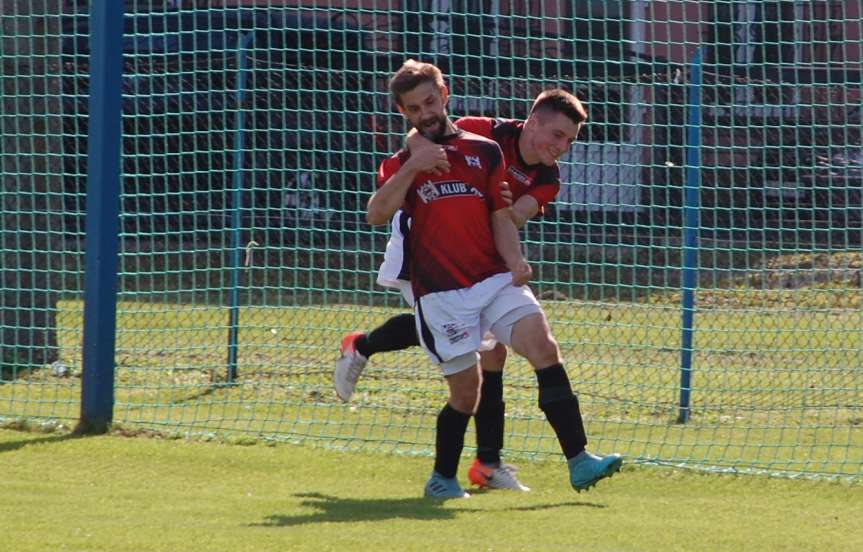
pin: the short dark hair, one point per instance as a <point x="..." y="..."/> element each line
<point x="558" y="100"/>
<point x="412" y="74"/>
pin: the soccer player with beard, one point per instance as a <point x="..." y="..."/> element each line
<point x="467" y="275"/>
<point x="531" y="149"/>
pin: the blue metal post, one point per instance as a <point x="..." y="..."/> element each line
<point x="691" y="223"/>
<point x="237" y="206"/>
<point x="103" y="215"/>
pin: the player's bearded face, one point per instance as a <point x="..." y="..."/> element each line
<point x="432" y="127"/>
<point x="425" y="108"/>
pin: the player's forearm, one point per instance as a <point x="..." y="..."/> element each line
<point x="523" y="209"/>
<point x="390" y="197"/>
<point x="506" y="238"/>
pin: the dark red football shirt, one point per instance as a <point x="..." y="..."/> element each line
<point x="539" y="181"/>
<point x="451" y="241"/>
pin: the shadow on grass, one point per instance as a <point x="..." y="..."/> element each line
<point x="334" y="509"/>
<point x="10" y="446"/>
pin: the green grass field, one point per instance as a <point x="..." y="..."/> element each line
<point x="772" y="392"/>
<point x="113" y="493"/>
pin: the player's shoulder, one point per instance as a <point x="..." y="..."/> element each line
<point x="500" y="122"/>
<point x="468" y="119"/>
<point x="506" y="128"/>
<point x="469" y="136"/>
<point x="480" y="143"/>
<point x="477" y="125"/>
<point x="400" y="156"/>
<point x="390" y="165"/>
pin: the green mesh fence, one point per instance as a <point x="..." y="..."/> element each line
<point x="39" y="254"/>
<point x="251" y="136"/>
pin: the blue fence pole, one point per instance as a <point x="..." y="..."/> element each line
<point x="691" y="223"/>
<point x="103" y="216"/>
<point x="237" y="206"/>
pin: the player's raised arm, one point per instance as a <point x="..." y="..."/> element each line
<point x="414" y="140"/>
<point x="395" y="179"/>
<point x="390" y="195"/>
<point x="418" y="144"/>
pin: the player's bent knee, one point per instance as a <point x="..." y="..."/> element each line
<point x="543" y="352"/>
<point x="466" y="402"/>
<point x="532" y="339"/>
<point x="546" y="354"/>
<point x="465" y="398"/>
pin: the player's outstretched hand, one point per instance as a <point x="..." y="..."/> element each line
<point x="430" y="159"/>
<point x="521" y="273"/>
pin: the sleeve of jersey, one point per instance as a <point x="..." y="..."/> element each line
<point x="388" y="168"/>
<point x="498" y="175"/>
<point x="476" y="125"/>
<point x="545" y="188"/>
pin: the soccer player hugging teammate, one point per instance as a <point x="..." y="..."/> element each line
<point x="467" y="274"/>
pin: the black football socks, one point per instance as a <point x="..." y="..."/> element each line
<point x="449" y="441"/>
<point x="489" y="418"/>
<point x="561" y="409"/>
<point x="396" y="334"/>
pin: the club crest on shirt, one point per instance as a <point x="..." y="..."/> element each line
<point x="520" y="176"/>
<point x="473" y="161"/>
<point x="430" y="191"/>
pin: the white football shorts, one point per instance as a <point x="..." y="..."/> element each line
<point x="452" y="324"/>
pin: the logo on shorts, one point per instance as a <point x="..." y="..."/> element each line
<point x="455" y="332"/>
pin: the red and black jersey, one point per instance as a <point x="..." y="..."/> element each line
<point x="451" y="240"/>
<point x="539" y="181"/>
